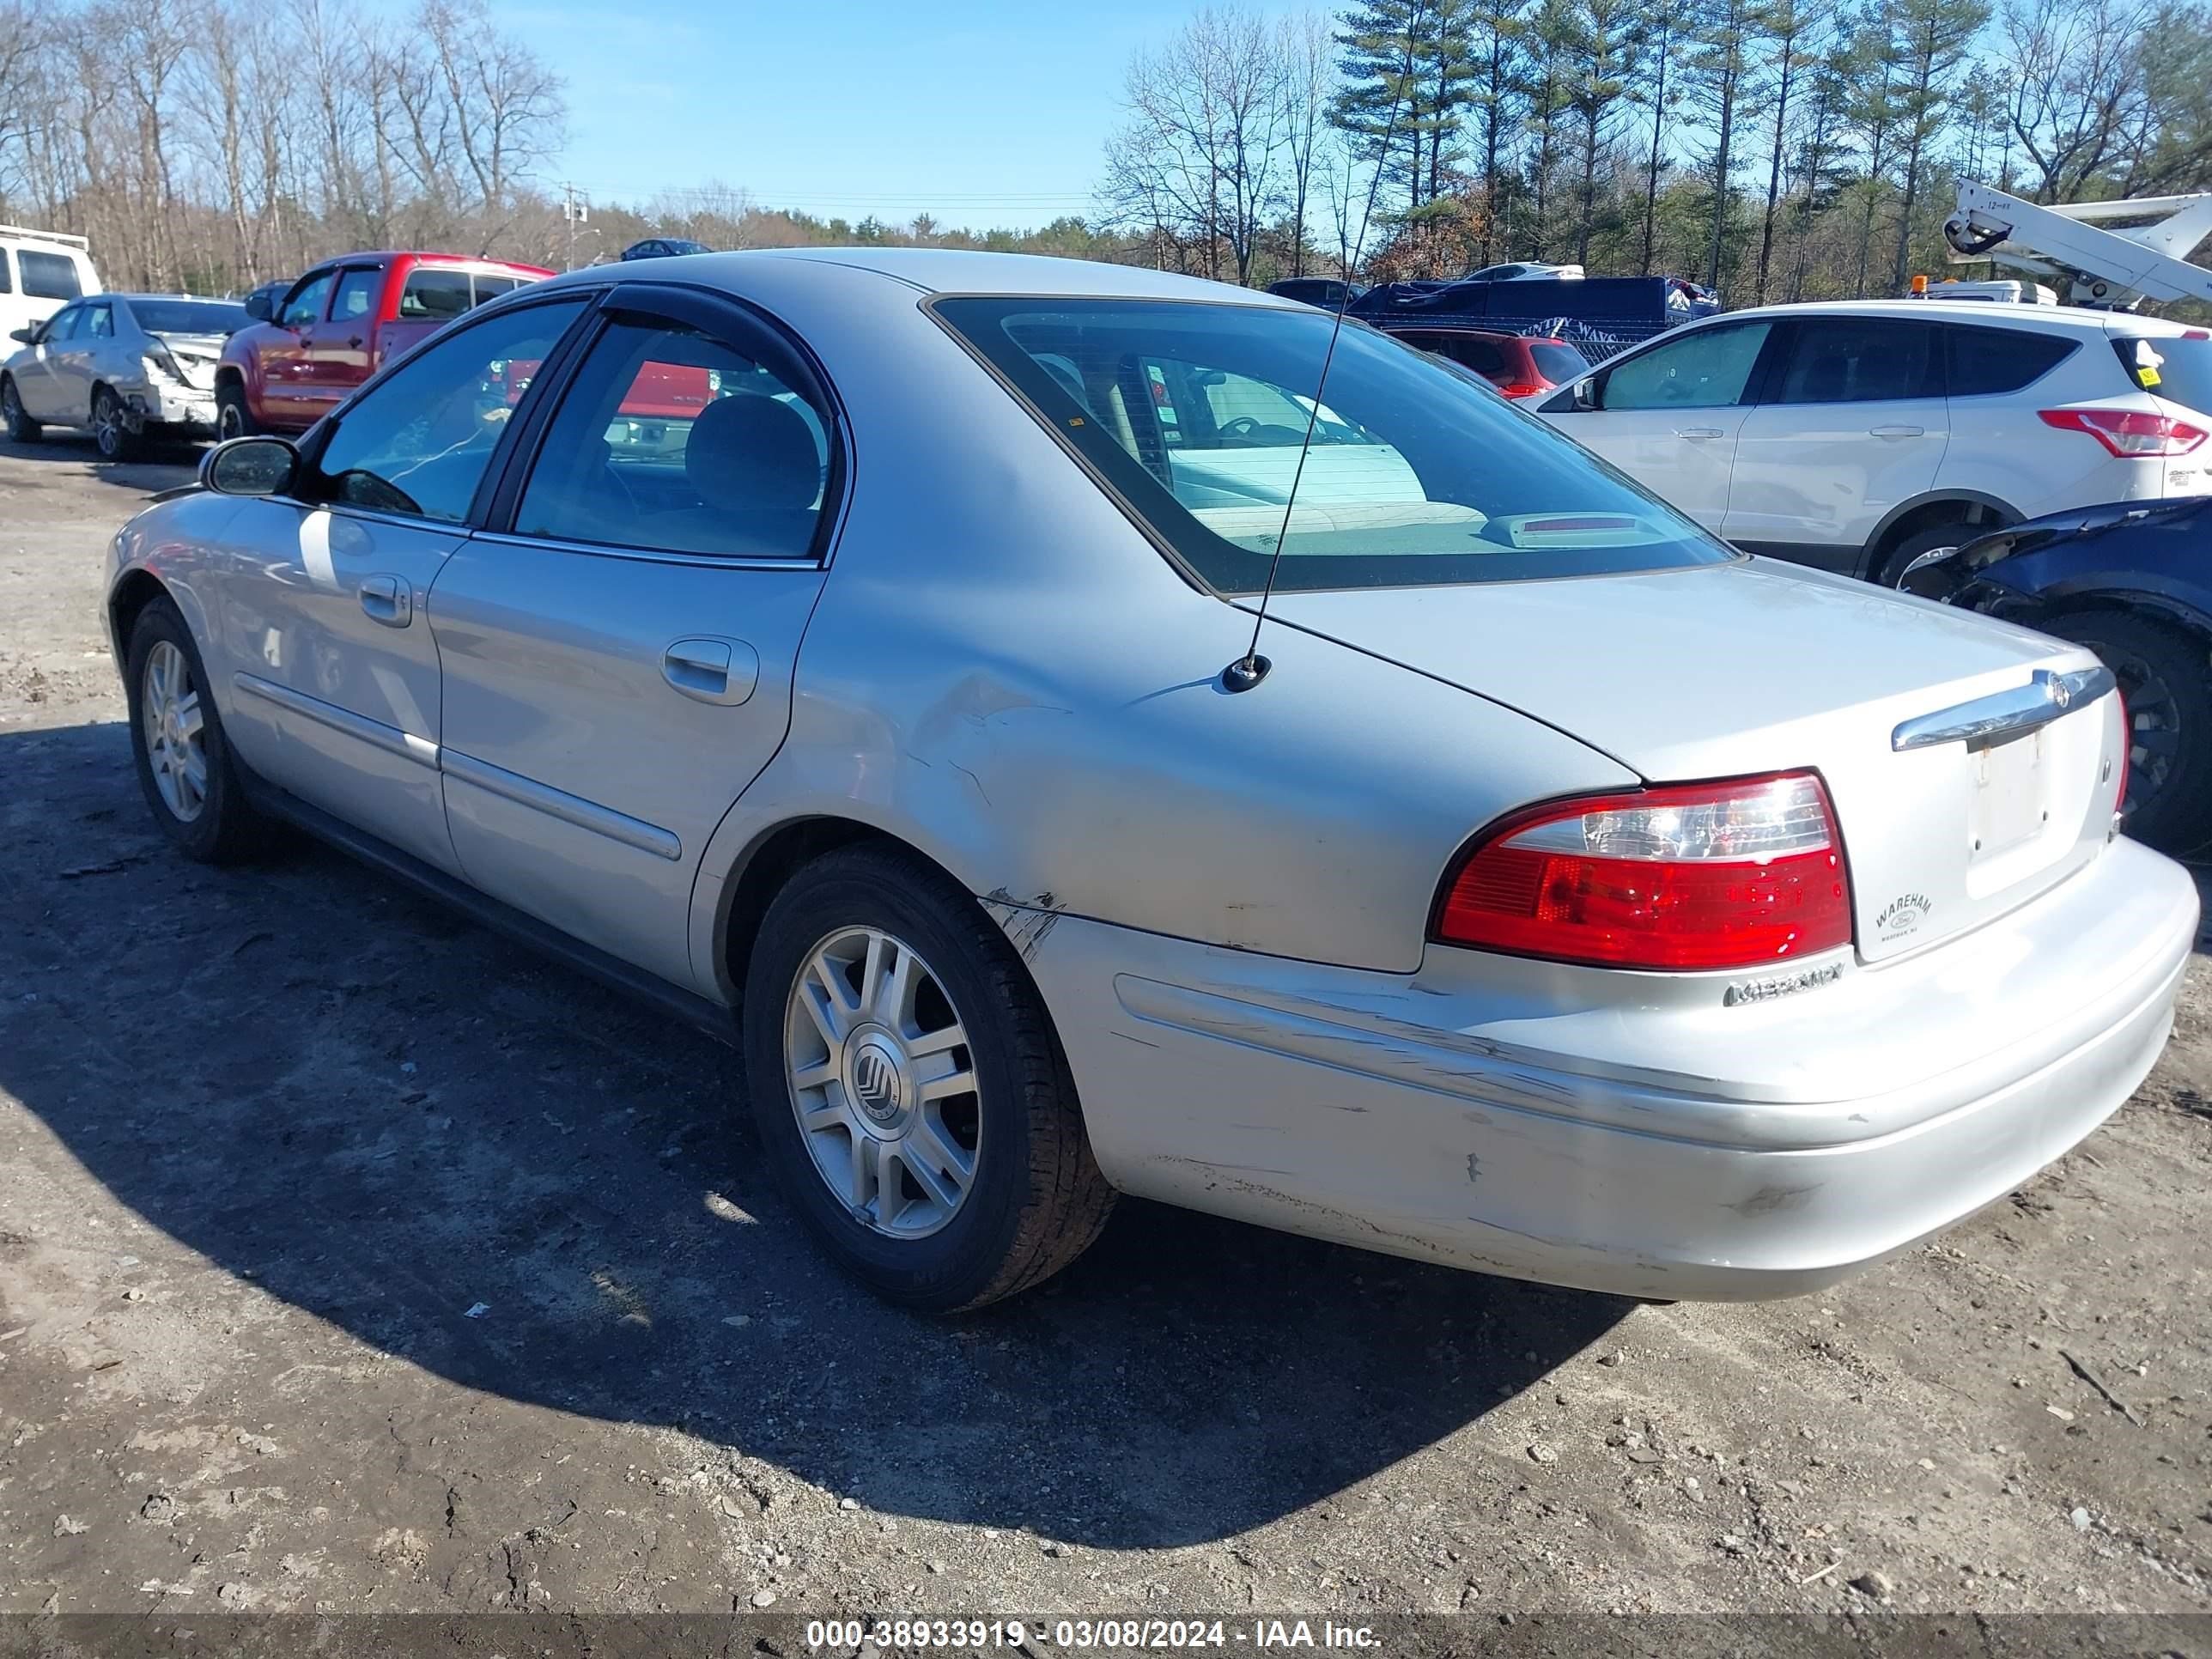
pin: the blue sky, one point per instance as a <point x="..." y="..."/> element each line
<point x="980" y="112"/>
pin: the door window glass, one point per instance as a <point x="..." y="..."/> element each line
<point x="673" y="440"/>
<point x="6" y="279"/>
<point x="99" y="323"/>
<point x="1854" y="360"/>
<point x="62" y="325"/>
<point x="417" y="442"/>
<point x="306" y="305"/>
<point x="1708" y="369"/>
<point x="357" y="295"/>
<point x="431" y="294"/>
<point x="489" y="288"/>
<point x="49" y="276"/>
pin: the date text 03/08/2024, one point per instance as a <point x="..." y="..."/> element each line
<point x="1142" y="1635"/>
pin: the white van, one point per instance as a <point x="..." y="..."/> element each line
<point x="40" y="271"/>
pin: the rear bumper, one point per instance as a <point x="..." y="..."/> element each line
<point x="1763" y="1150"/>
<point x="172" y="406"/>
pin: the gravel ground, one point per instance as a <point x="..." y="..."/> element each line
<point x="354" y="1260"/>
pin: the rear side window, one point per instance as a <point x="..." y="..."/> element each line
<point x="671" y="441"/>
<point x="434" y="295"/>
<point x="1483" y="356"/>
<point x="49" y="276"/>
<point x="1195" y="415"/>
<point x="1986" y="361"/>
<point x="1855" y="360"/>
<point x="1558" y="363"/>
<point x="2176" y="366"/>
<point x="487" y="287"/>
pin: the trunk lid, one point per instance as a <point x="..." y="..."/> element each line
<point x="195" y="354"/>
<point x="1728" y="671"/>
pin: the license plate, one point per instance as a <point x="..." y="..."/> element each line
<point x="2008" y="795"/>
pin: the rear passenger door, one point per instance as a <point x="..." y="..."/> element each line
<point x="618" y="644"/>
<point x="1850" y="422"/>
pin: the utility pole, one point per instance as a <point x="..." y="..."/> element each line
<point x="575" y="211"/>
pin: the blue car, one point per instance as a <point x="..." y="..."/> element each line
<point x="2132" y="580"/>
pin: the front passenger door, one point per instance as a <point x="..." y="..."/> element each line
<point x="282" y="350"/>
<point x="1669" y="416"/>
<point x="619" y="661"/>
<point x="334" y="691"/>
<point x="36" y="384"/>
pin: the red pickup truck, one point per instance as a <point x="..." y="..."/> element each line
<point x="339" y="324"/>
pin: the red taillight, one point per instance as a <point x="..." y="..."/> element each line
<point x="2127" y="749"/>
<point x="1520" y="388"/>
<point x="2131" y="432"/>
<point x="1687" y="877"/>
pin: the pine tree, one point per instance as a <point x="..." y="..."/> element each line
<point x="1667" y="24"/>
<point x="1497" y="31"/>
<point x="1791" y="27"/>
<point x="1601" y="51"/>
<point x="1386" y="44"/>
<point x="1931" y="38"/>
<point x="1722" y="70"/>
<point x="1546" y="78"/>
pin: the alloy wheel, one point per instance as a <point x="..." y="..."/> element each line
<point x="11" y="406"/>
<point x="229" y="421"/>
<point x="169" y="712"/>
<point x="2154" y="720"/>
<point x="108" y="426"/>
<point x="881" y="1076"/>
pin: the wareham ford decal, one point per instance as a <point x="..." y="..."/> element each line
<point x="1781" y="985"/>
<point x="1903" y="914"/>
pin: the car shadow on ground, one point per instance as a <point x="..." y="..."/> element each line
<point x="164" y="465"/>
<point x="384" y="1116"/>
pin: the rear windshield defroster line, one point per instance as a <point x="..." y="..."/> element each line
<point x="1194" y="414"/>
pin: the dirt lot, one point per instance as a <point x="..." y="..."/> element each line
<point x="269" y="1137"/>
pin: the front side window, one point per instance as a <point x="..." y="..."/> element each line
<point x="417" y="442"/>
<point x="306" y="305"/>
<point x="358" y="292"/>
<point x="1708" y="369"/>
<point x="1860" y="360"/>
<point x="62" y="325"/>
<point x="1195" y="415"/>
<point x="672" y="441"/>
<point x="49" y="276"/>
<point x="7" y="276"/>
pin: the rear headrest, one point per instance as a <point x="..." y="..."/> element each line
<point x="751" y="453"/>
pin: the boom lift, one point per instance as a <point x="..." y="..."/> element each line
<point x="2113" y="270"/>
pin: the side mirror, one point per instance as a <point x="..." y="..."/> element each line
<point x="257" y="306"/>
<point x="24" y="336"/>
<point x="1586" y="393"/>
<point x="251" y="466"/>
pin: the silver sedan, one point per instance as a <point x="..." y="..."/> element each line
<point x="853" y="652"/>
<point x="123" y="366"/>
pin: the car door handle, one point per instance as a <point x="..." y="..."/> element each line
<point x="708" y="670"/>
<point x="1897" y="431"/>
<point x="353" y="342"/>
<point x="1700" y="432"/>
<point x="388" y="600"/>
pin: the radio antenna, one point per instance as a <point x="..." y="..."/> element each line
<point x="1248" y="670"/>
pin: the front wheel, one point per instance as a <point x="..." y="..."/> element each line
<point x="232" y="419"/>
<point x="1929" y="581"/>
<point x="910" y="1094"/>
<point x="2165" y="679"/>
<point x="21" y="428"/>
<point x="177" y="740"/>
<point x="111" y="429"/>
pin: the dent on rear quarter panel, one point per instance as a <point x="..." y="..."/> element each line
<point x="1004" y="672"/>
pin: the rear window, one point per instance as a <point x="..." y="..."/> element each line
<point x="2177" y="367"/>
<point x="1195" y="413"/>
<point x="189" y="316"/>
<point x="49" y="276"/>
<point x="1985" y="360"/>
<point x="1558" y="363"/>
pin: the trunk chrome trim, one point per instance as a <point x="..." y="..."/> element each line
<point x="2045" y="698"/>
<point x="390" y="738"/>
<point x="560" y="804"/>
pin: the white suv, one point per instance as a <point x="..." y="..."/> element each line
<point x="1857" y="437"/>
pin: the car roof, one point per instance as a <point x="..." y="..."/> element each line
<point x="201" y="299"/>
<point x="966" y="270"/>
<point x="1986" y="312"/>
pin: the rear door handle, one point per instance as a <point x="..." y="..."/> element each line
<point x="388" y="600"/>
<point x="1699" y="433"/>
<point x="709" y="670"/>
<point x="1898" y="431"/>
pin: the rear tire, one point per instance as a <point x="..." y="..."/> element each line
<point x="1955" y="534"/>
<point x="1009" y="1153"/>
<point x="21" y="428"/>
<point x="232" y="419"/>
<point x="2164" y="676"/>
<point x="177" y="740"/>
